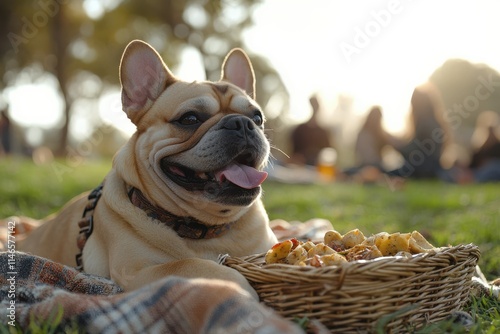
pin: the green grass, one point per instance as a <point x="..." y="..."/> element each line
<point x="36" y="191"/>
<point x="446" y="213"/>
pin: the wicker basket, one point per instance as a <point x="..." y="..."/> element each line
<point x="392" y="293"/>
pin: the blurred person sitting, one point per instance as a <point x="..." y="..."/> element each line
<point x="371" y="140"/>
<point x="368" y="150"/>
<point x="485" y="161"/>
<point x="427" y="136"/>
<point x="309" y="138"/>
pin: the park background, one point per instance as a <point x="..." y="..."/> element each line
<point x="59" y="64"/>
<point x="59" y="81"/>
<point x="59" y="84"/>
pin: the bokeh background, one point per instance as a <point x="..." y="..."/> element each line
<point x="59" y="63"/>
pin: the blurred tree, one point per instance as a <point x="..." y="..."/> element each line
<point x="39" y="33"/>
<point x="82" y="41"/>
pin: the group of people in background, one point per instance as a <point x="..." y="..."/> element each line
<point x="424" y="149"/>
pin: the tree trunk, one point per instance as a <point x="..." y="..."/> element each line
<point x="60" y="45"/>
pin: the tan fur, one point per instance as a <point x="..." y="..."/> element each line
<point x="128" y="246"/>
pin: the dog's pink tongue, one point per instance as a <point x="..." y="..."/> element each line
<point x="244" y="176"/>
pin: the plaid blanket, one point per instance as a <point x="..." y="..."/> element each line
<point x="41" y="291"/>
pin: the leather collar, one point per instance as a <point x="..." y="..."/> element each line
<point x="86" y="224"/>
<point x="185" y="227"/>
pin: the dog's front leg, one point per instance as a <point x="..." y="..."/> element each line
<point x="187" y="268"/>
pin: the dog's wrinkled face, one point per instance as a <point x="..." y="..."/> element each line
<point x="225" y="163"/>
<point x="204" y="141"/>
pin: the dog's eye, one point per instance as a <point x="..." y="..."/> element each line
<point x="189" y="119"/>
<point x="257" y="119"/>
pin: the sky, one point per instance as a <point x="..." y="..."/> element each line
<point x="374" y="51"/>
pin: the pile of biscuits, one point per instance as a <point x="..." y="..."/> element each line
<point x="338" y="249"/>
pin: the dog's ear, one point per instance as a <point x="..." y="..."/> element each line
<point x="237" y="69"/>
<point x="143" y="76"/>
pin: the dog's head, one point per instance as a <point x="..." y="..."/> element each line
<point x="197" y="143"/>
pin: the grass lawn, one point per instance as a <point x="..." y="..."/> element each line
<point x="447" y="214"/>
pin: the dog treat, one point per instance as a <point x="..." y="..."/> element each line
<point x="352" y="246"/>
<point x="418" y="244"/>
<point x="333" y="259"/>
<point x="297" y="255"/>
<point x="320" y="249"/>
<point x="363" y="252"/>
<point x="391" y="244"/>
<point x="280" y="251"/>
<point x="352" y="238"/>
<point x="334" y="240"/>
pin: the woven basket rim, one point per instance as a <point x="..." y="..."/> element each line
<point x="444" y="259"/>
<point x="257" y="260"/>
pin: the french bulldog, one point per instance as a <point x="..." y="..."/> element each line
<point x="184" y="189"/>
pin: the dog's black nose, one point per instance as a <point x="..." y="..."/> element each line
<point x="237" y="123"/>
